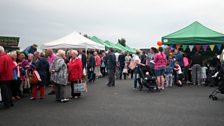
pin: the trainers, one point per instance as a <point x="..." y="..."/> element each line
<point x="32" y="98"/>
<point x="65" y="100"/>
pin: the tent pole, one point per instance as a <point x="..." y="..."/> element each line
<point x="86" y="51"/>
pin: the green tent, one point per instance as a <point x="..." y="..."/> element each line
<point x="123" y="48"/>
<point x="194" y="34"/>
<point x="109" y="44"/>
<point x="132" y="50"/>
<point x="113" y="45"/>
<point x="98" y="40"/>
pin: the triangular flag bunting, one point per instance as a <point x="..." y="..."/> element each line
<point x="212" y="47"/>
<point x="177" y="46"/>
<point x="219" y="46"/>
<point x="205" y="47"/>
<point x="191" y="47"/>
<point x="184" y="47"/>
<point x="198" y="47"/>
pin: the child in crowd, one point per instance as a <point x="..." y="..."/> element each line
<point x="169" y="75"/>
<point x="177" y="68"/>
<point x="203" y="73"/>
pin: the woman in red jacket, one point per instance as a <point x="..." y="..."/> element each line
<point x="75" y="72"/>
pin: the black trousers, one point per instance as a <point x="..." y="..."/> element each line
<point x="111" y="77"/>
<point x="6" y="93"/>
<point x="72" y="89"/>
<point x="15" y="88"/>
<point x="102" y="70"/>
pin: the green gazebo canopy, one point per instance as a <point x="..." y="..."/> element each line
<point x="109" y="44"/>
<point x="194" y="34"/>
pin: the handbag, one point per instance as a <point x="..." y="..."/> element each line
<point x="35" y="77"/>
<point x="125" y="70"/>
<point x="80" y="87"/>
<point x="132" y="65"/>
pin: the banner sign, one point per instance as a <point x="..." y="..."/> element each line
<point x="9" y="41"/>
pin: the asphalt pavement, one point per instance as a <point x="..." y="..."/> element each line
<point x="120" y="106"/>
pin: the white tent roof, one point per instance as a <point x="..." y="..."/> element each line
<point x="73" y="40"/>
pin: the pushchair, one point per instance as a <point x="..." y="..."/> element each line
<point x="147" y="81"/>
<point x="220" y="88"/>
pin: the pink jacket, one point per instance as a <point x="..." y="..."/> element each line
<point x="98" y="60"/>
<point x="160" y="60"/>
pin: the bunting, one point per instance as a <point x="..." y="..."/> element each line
<point x="198" y="47"/>
<point x="219" y="46"/>
<point x="205" y="47"/>
<point x="177" y="46"/>
<point x="184" y="47"/>
<point x="191" y="47"/>
<point x="212" y="47"/>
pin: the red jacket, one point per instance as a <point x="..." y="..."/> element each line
<point x="6" y="67"/>
<point x="75" y="69"/>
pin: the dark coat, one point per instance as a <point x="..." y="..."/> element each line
<point x="91" y="62"/>
<point x="42" y="67"/>
<point x="121" y="60"/>
<point x="83" y="61"/>
<point x="111" y="61"/>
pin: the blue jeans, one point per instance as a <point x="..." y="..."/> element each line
<point x="169" y="80"/>
<point x="137" y="77"/>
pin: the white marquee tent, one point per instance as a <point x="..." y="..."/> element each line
<point x="73" y="40"/>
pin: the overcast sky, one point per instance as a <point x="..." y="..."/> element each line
<point x="141" y="22"/>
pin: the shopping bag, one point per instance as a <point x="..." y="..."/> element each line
<point x="80" y="87"/>
<point x="35" y="77"/>
<point x="132" y="65"/>
<point x="84" y="72"/>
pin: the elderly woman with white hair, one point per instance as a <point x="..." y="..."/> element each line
<point x="59" y="76"/>
<point x="75" y="73"/>
<point x="15" y="82"/>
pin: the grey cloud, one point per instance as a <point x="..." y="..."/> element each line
<point x="139" y="21"/>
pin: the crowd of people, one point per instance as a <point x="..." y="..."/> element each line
<point x="74" y="67"/>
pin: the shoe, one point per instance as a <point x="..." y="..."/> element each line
<point x="76" y="97"/>
<point x="18" y="98"/>
<point x="64" y="100"/>
<point x="13" y="98"/>
<point x="41" y="97"/>
<point x="32" y="98"/>
<point x="51" y="93"/>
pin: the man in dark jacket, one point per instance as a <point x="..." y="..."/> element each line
<point x="82" y="55"/>
<point x="121" y="61"/>
<point x="91" y="66"/>
<point x="196" y="63"/>
<point x="6" y="75"/>
<point x="111" y="66"/>
<point x="30" y="49"/>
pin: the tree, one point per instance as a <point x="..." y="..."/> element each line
<point x="85" y="35"/>
<point x="122" y="41"/>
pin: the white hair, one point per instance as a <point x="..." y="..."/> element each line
<point x="2" y="49"/>
<point x="30" y="54"/>
<point x="12" y="54"/>
<point x="75" y="52"/>
<point x="61" y="53"/>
